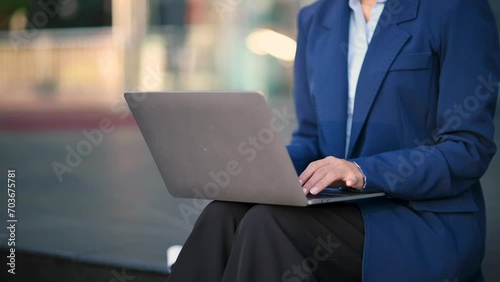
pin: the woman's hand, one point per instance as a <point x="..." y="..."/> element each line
<point x="329" y="172"/>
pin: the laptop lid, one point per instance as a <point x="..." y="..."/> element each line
<point x="218" y="145"/>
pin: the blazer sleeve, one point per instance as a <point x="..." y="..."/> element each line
<point x="462" y="147"/>
<point x="303" y="148"/>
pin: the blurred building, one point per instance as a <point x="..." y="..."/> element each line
<point x="95" y="50"/>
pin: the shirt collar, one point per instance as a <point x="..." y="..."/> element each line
<point x="355" y="4"/>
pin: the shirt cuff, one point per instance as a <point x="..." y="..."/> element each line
<point x="363" y="174"/>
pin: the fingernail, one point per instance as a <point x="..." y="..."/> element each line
<point x="305" y="191"/>
<point x="300" y="180"/>
<point x="314" y="190"/>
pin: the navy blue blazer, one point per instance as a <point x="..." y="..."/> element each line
<point x="422" y="128"/>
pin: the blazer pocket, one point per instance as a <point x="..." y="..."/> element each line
<point x="412" y="62"/>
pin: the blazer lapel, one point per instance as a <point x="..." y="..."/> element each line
<point x="330" y="61"/>
<point x="387" y="42"/>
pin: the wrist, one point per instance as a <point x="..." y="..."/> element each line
<point x="363" y="176"/>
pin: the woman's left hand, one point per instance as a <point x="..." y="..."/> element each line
<point x="330" y="172"/>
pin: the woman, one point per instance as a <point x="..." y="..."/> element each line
<point x="395" y="96"/>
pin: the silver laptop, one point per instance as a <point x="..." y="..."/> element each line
<point x="223" y="146"/>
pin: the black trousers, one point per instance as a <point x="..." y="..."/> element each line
<point x="238" y="242"/>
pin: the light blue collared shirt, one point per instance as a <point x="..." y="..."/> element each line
<point x="360" y="36"/>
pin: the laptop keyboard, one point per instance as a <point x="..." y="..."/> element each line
<point x="331" y="193"/>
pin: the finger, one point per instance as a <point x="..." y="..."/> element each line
<point x="311" y="169"/>
<point x="356" y="179"/>
<point x="324" y="182"/>
<point x="352" y="182"/>
<point x="315" y="178"/>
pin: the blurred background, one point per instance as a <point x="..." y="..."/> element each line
<point x="90" y="203"/>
